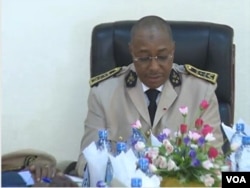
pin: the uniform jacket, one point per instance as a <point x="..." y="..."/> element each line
<point x="115" y="106"/>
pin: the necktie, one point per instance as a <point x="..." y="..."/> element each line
<point x="152" y="95"/>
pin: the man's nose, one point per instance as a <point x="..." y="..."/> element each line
<point x="154" y="63"/>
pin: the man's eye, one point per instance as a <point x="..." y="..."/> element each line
<point x="144" y="59"/>
<point x="162" y="58"/>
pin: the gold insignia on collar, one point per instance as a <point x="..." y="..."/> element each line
<point x="175" y="78"/>
<point x="131" y="79"/>
<point x="206" y="75"/>
<point x="97" y="79"/>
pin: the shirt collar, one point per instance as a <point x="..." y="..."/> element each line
<point x="145" y="88"/>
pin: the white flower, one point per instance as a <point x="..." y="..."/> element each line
<point x="163" y="162"/>
<point x="171" y="165"/>
<point x="207" y="180"/>
<point x="216" y="166"/>
<point x="210" y="137"/>
<point x="153" y="152"/>
<point x="207" y="164"/>
<point x="218" y="173"/>
<point x="168" y="146"/>
<point x="140" y="146"/>
<point x="194" y="146"/>
<point x="152" y="168"/>
<point x="177" y="134"/>
<point x="225" y="168"/>
<point x="160" y="161"/>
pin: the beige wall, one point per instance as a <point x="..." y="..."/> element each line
<point x="45" y="62"/>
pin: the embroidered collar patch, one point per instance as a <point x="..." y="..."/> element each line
<point x="131" y="79"/>
<point x="175" y="78"/>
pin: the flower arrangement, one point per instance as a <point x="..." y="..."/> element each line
<point x="187" y="154"/>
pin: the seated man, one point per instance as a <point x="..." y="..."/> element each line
<point x="117" y="101"/>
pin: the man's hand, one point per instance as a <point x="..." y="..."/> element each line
<point x="39" y="172"/>
<point x="49" y="176"/>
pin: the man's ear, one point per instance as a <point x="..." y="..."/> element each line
<point x="130" y="47"/>
<point x="173" y="45"/>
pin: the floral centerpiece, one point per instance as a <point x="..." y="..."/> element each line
<point x="184" y="156"/>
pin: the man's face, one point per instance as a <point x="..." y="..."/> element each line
<point x="148" y="43"/>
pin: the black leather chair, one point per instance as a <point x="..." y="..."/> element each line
<point x="205" y="45"/>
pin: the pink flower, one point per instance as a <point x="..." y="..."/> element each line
<point x="166" y="131"/>
<point x="207" y="129"/>
<point x="204" y="105"/>
<point x="193" y="135"/>
<point x="136" y="124"/>
<point x="183" y="110"/>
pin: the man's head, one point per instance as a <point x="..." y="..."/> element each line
<point x="152" y="49"/>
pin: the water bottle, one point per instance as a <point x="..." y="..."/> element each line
<point x="109" y="173"/>
<point x="243" y="155"/>
<point x="136" y="182"/>
<point x="143" y="164"/>
<point x="121" y="147"/>
<point x="103" y="143"/>
<point x="236" y="142"/>
<point x="86" y="176"/>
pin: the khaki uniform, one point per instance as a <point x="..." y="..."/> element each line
<point x="115" y="106"/>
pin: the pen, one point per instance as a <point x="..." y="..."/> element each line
<point x="46" y="180"/>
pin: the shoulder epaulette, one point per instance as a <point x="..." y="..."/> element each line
<point x="97" y="79"/>
<point x="206" y="75"/>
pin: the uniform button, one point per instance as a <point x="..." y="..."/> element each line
<point x="148" y="132"/>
